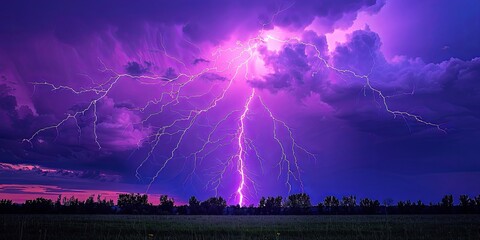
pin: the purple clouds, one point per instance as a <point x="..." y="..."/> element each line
<point x="154" y="90"/>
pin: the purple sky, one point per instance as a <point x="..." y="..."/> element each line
<point x="373" y="98"/>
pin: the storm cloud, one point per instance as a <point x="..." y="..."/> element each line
<point x="127" y="50"/>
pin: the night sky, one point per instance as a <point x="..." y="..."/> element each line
<point x="375" y="98"/>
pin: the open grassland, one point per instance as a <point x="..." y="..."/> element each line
<point x="239" y="227"/>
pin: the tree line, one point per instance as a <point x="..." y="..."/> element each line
<point x="299" y="204"/>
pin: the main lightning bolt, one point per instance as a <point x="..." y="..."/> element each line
<point x="241" y="153"/>
<point x="174" y="94"/>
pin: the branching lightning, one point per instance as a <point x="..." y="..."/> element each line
<point x="173" y="94"/>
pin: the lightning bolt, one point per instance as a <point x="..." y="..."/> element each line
<point x="173" y="94"/>
<point x="241" y="153"/>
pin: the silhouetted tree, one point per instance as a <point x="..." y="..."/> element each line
<point x="331" y="204"/>
<point x="166" y="204"/>
<point x="89" y="205"/>
<point x="193" y="205"/>
<point x="213" y="205"/>
<point x="298" y="203"/>
<point x="133" y="203"/>
<point x="467" y="205"/>
<point x="71" y="205"/>
<point x="447" y="203"/>
<point x="369" y="206"/>
<point x="250" y="210"/>
<point x="405" y="207"/>
<point x="235" y="210"/>
<point x="419" y="207"/>
<point x="262" y="206"/>
<point x="270" y="205"/>
<point x="276" y="204"/>
<point x="38" y="205"/>
<point x="262" y="202"/>
<point x="320" y="208"/>
<point x="349" y="203"/>
<point x="295" y="204"/>
<point x="182" y="210"/>
<point x="103" y="205"/>
<point x="464" y="200"/>
<point x="58" y="204"/>
<point x="477" y="200"/>
<point x="7" y="206"/>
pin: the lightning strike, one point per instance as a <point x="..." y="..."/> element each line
<point x="241" y="153"/>
<point x="173" y="94"/>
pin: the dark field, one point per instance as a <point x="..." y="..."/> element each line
<point x="239" y="227"/>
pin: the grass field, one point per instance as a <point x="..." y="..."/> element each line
<point x="239" y="227"/>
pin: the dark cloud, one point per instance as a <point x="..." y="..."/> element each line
<point x="200" y="60"/>
<point x="361" y="53"/>
<point x="137" y="69"/>
<point x="15" y="119"/>
<point x="37" y="171"/>
<point x="170" y="74"/>
<point x="446" y="93"/>
<point x="71" y="149"/>
<point x="213" y="77"/>
<point x="301" y="14"/>
<point x="295" y="66"/>
<point x="97" y="175"/>
<point x="73" y="21"/>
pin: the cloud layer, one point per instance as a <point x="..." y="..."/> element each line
<point x="337" y="116"/>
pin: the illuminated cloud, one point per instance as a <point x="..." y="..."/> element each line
<point x="58" y="58"/>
